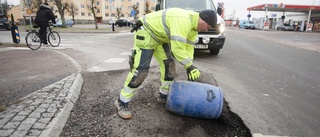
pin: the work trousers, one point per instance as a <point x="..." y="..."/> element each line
<point x="144" y="48"/>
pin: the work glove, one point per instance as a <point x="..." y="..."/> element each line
<point x="193" y="73"/>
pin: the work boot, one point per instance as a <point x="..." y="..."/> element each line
<point x="162" y="99"/>
<point x="123" y="109"/>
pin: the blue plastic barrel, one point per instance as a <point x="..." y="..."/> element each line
<point x="195" y="99"/>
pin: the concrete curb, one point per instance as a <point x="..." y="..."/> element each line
<point x="56" y="126"/>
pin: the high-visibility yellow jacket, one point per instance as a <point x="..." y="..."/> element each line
<point x="175" y="26"/>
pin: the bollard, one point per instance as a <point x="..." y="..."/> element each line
<point x="112" y="26"/>
<point x="15" y="34"/>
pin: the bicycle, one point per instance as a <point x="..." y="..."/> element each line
<point x="34" y="42"/>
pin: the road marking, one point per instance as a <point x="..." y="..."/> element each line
<point x="14" y="48"/>
<point x="125" y="53"/>
<point x="96" y="69"/>
<point x="260" y="135"/>
<point x="115" y="60"/>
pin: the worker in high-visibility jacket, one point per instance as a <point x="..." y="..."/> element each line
<point x="161" y="34"/>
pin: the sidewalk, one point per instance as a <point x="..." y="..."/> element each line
<point x="84" y="28"/>
<point x="44" y="112"/>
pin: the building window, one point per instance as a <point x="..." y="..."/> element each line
<point x="107" y="0"/>
<point x="82" y="14"/>
<point x="122" y="15"/>
<point x="122" y="7"/>
<point x="153" y="8"/>
<point x="89" y="14"/>
<point x="82" y="6"/>
<point x="106" y="14"/>
<point x="106" y="7"/>
<point x="113" y="15"/>
<point x="98" y="3"/>
<point x="129" y="0"/>
<point x="122" y="0"/>
<point x="98" y="10"/>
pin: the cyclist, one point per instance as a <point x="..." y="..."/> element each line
<point x="44" y="15"/>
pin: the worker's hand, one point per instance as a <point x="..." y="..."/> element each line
<point x="193" y="73"/>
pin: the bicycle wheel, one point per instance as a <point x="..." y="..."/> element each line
<point x="33" y="41"/>
<point x="54" y="38"/>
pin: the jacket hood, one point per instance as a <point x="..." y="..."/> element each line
<point x="43" y="6"/>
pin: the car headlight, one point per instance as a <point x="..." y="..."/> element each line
<point x="222" y="28"/>
<point x="205" y="40"/>
<point x="197" y="40"/>
<point x="222" y="25"/>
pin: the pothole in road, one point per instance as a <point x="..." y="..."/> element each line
<point x="95" y="115"/>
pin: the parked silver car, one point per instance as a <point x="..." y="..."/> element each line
<point x="69" y="22"/>
<point x="285" y="27"/>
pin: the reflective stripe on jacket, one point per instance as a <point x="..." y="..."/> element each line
<point x="177" y="27"/>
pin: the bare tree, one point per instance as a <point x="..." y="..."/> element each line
<point x="73" y="11"/>
<point x="4" y="8"/>
<point x="147" y="7"/>
<point x="93" y="9"/>
<point x="62" y="7"/>
<point x="118" y="13"/>
<point x="38" y="3"/>
<point x="135" y="7"/>
<point x="232" y="16"/>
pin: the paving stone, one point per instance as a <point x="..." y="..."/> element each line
<point x="35" y="115"/>
<point x="39" y="126"/>
<point x="44" y="120"/>
<point x="3" y="121"/>
<point x="34" y="132"/>
<point x="47" y="115"/>
<point x="24" y="126"/>
<point x="18" y="118"/>
<point x="40" y="110"/>
<point x="30" y="121"/>
<point x="25" y="112"/>
<point x="11" y="125"/>
<point x="6" y="132"/>
<point x="19" y="133"/>
<point x="44" y="105"/>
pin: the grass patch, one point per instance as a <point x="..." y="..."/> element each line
<point x="12" y="45"/>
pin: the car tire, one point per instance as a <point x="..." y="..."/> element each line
<point x="214" y="51"/>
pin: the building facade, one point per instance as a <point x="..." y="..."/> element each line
<point x="105" y="9"/>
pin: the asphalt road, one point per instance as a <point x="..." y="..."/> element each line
<point x="271" y="79"/>
<point x="24" y="71"/>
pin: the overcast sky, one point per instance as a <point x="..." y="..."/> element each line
<point x="240" y="7"/>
